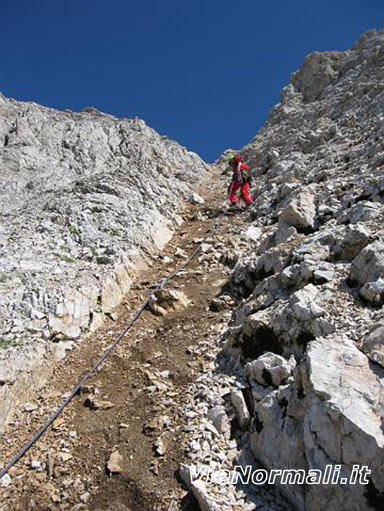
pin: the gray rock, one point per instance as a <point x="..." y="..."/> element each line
<point x="356" y="238"/>
<point x="284" y="232"/>
<point x="325" y="140"/>
<point x="194" y="198"/>
<point x="240" y="406"/>
<point x="220" y="420"/>
<point x="308" y="432"/>
<point x="373" y="291"/>
<point x="206" y="502"/>
<point x="259" y="391"/>
<point x="367" y="269"/>
<point x="373" y="345"/>
<point x="300" y="212"/>
<point x="362" y="212"/>
<point x="303" y="304"/>
<point x="198" y="488"/>
<point x="319" y="70"/>
<point x="270" y="369"/>
<point x="253" y="233"/>
<point x="324" y="273"/>
<point x="114" y="463"/>
<point x="369" y="264"/>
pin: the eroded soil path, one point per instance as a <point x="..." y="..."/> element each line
<point x="134" y="400"/>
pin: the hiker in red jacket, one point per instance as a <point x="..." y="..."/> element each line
<point x="241" y="179"/>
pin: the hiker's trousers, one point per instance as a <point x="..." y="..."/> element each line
<point x="244" y="192"/>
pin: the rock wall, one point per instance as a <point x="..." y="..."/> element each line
<point x="307" y="336"/>
<point x="86" y="198"/>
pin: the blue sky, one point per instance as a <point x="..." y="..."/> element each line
<point x="205" y="73"/>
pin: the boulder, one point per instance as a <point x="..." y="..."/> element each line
<point x="240" y="406"/>
<point x="269" y="369"/>
<point x="368" y="266"/>
<point x="194" y="198"/>
<point x="352" y="243"/>
<point x="367" y="270"/>
<point x="325" y="272"/>
<point x="301" y="319"/>
<point x="373" y="292"/>
<point x="167" y="300"/>
<point x="284" y="232"/>
<point x="198" y="488"/>
<point x="300" y="212"/>
<point x="333" y="419"/>
<point x="373" y="345"/>
<point x="303" y="305"/>
<point x="361" y="212"/>
<point x="220" y="420"/>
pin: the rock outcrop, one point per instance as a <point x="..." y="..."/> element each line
<point x="86" y="198"/>
<point x="307" y="336"/>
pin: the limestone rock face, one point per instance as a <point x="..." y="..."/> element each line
<point x="307" y="334"/>
<point x="329" y="424"/>
<point x="319" y="70"/>
<point x="84" y="198"/>
<point x="345" y="418"/>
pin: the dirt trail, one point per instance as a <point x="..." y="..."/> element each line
<point x="139" y="391"/>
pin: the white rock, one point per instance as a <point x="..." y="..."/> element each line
<point x="194" y="198"/>
<point x="367" y="270"/>
<point x="270" y="369"/>
<point x="242" y="412"/>
<point x="253" y="233"/>
<point x="373" y="345"/>
<point x="114" y="463"/>
<point x="301" y="212"/>
<point x="5" y="481"/>
<point x="220" y="420"/>
<point x="199" y="490"/>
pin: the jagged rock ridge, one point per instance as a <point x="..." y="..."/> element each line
<point x="307" y="340"/>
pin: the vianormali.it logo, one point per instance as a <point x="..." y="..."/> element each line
<point x="248" y="475"/>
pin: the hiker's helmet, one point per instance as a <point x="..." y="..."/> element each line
<point x="235" y="158"/>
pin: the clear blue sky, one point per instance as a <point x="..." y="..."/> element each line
<point x="204" y="72"/>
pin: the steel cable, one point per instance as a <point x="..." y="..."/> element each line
<point x="161" y="284"/>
